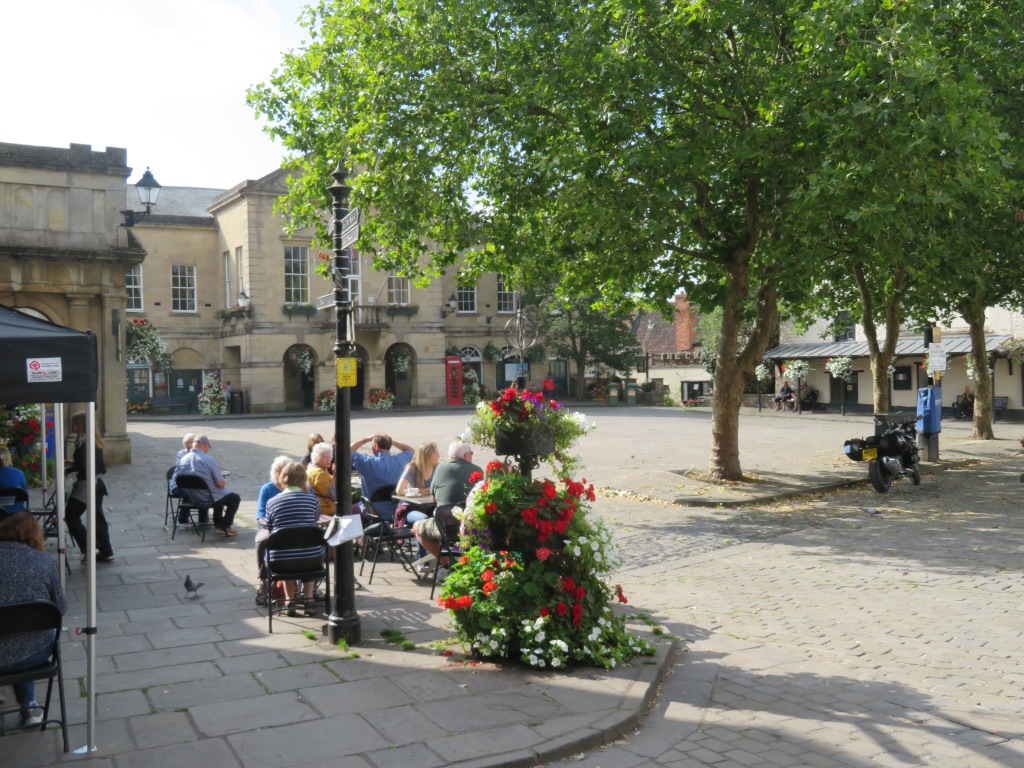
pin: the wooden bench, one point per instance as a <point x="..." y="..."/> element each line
<point x="999" y="405"/>
<point x="170" y="403"/>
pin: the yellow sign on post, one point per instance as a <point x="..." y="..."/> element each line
<point x="346" y="371"/>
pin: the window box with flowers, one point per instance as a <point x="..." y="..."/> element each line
<point x="299" y="309"/>
<point x="233" y="313"/>
<point x="403" y="309"/>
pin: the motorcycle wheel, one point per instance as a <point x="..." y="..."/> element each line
<point x="915" y="475"/>
<point x="880" y="478"/>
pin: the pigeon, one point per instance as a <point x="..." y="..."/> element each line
<point x="192" y="587"/>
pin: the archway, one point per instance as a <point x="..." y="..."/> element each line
<point x="472" y="360"/>
<point x="299" y="379"/>
<point x="398" y="364"/>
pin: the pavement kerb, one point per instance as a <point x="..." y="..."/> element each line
<point x="603" y="732"/>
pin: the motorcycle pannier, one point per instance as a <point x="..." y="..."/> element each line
<point x="854" y="449"/>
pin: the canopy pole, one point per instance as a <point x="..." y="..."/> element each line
<point x="90" y="629"/>
<point x="43" y="479"/>
<point x="58" y="493"/>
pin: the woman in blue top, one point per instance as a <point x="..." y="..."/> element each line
<point x="267" y="492"/>
<point x="293" y="507"/>
<point x="11" y="478"/>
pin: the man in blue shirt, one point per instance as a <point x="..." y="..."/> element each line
<point x="379" y="469"/>
<point x="225" y="503"/>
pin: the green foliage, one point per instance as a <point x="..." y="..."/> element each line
<point x="491" y="353"/>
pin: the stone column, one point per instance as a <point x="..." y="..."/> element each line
<point x="78" y="318"/>
<point x="113" y="390"/>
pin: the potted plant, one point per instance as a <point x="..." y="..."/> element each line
<point x="381" y="399"/>
<point x="299" y="308"/>
<point x="324" y="401"/>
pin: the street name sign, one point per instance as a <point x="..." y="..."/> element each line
<point x="327" y="300"/>
<point x="349" y="228"/>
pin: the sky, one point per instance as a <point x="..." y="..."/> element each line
<point x="164" y="80"/>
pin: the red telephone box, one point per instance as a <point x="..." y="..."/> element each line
<point x="453" y="377"/>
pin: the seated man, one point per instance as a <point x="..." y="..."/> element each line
<point x="378" y="469"/>
<point x="964" y="405"/>
<point x="450" y="486"/>
<point x="785" y="396"/>
<point x="225" y="503"/>
<point x="808" y="397"/>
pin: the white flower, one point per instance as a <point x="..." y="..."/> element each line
<point x="540" y="636"/>
<point x="594" y="545"/>
<point x="583" y="539"/>
<point x="560" y="644"/>
<point x="494" y="643"/>
<point x="501" y="630"/>
<point x="540" y="663"/>
<point x="483" y="407"/>
<point x="533" y="660"/>
<point x="602" y="621"/>
<point x="597" y="557"/>
<point x="613" y="663"/>
<point x="556" y="663"/>
<point x="576" y="551"/>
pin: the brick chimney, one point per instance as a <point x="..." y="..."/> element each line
<point x="686" y="324"/>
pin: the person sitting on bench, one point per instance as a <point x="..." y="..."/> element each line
<point x="965" y="404"/>
<point x="785" y="396"/>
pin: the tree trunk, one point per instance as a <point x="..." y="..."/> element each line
<point x="975" y="318"/>
<point x="734" y="368"/>
<point x="581" y="369"/>
<point x="880" y="355"/>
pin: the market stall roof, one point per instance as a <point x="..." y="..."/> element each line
<point x="954" y="345"/>
<point x="45" y="362"/>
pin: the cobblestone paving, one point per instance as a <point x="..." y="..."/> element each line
<point x="822" y="635"/>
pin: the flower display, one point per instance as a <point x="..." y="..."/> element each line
<point x="470" y="384"/>
<point x="840" y="367"/>
<point x="212" y="401"/>
<point x="381" y="399"/>
<point x="138" y="406"/>
<point x="763" y="373"/>
<point x="796" y="368"/>
<point x="20" y="430"/>
<point x="1012" y="349"/>
<point x="532" y="570"/>
<point x="399" y="359"/>
<point x="513" y="410"/>
<point x="969" y="365"/>
<point x="143" y="342"/>
<point x="324" y="401"/>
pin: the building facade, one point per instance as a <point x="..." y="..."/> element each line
<point x="64" y="255"/>
<point x="210" y="251"/>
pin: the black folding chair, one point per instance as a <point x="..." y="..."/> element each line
<point x="9" y="497"/>
<point x="195" y="504"/>
<point x="312" y="568"/>
<point x="173" y="496"/>
<point x="449" y="547"/>
<point x="36" y="616"/>
<point x="380" y="532"/>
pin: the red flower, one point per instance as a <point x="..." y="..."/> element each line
<point x="561" y="608"/>
<point x="490" y="507"/>
<point x="446" y="653"/>
<point x="618" y="594"/>
<point x="530" y="516"/>
<point x="498" y="410"/>
<point x="578" y="593"/>
<point x="568" y="585"/>
<point x="463" y="602"/>
<point x="545" y="527"/>
<point x="463" y="560"/>
<point x="489" y="587"/>
<point x="495" y="466"/>
<point x="577" y="614"/>
<point x="545" y="611"/>
<point x="475" y="478"/>
<point x="487" y="575"/>
<point x="549" y="490"/>
<point x="543" y="554"/>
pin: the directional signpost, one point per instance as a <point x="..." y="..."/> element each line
<point x="343" y="623"/>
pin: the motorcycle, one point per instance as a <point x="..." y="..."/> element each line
<point x="891" y="452"/>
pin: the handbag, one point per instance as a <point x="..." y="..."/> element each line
<point x="400" y="512"/>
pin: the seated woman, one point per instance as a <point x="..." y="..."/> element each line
<point x="267" y="492"/>
<point x="452" y="483"/>
<point x="186" y="446"/>
<point x="321" y="482"/>
<point x="11" y="477"/>
<point x="785" y="396"/>
<point x="294" y="506"/>
<point x="417" y="474"/>
<point x="315" y="439"/>
<point x="27" y="573"/>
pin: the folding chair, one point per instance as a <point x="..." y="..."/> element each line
<point x="36" y="616"/>
<point x="381" y="533"/>
<point x="449" y="547"/>
<point x="196" y="511"/>
<point x="302" y="569"/>
<point x="173" y="497"/>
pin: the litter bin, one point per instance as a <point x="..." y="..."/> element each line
<point x="237" y="404"/>
<point x="631" y="393"/>
<point x="613" y="393"/>
<point x="929" y="410"/>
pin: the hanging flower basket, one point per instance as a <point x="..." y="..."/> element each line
<point x="840" y="367"/>
<point x="399" y="360"/>
<point x="797" y="368"/>
<point x="524" y="441"/>
<point x="763" y="373"/>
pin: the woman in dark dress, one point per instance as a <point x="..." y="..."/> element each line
<point x="79" y="498"/>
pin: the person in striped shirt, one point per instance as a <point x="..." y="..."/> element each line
<point x="295" y="506"/>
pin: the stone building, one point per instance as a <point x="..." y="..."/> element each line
<point x="207" y="247"/>
<point x="64" y="256"/>
<point x="673" y="351"/>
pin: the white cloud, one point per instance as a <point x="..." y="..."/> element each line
<point x="166" y="81"/>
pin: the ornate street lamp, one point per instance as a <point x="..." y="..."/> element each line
<point x="149" y="190"/>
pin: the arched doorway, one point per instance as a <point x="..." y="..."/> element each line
<point x="299" y="380"/>
<point x="473" y="361"/>
<point x="398" y="363"/>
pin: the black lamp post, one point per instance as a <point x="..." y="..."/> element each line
<point x="149" y="190"/>
<point x="343" y="623"/>
<point x="452" y="304"/>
